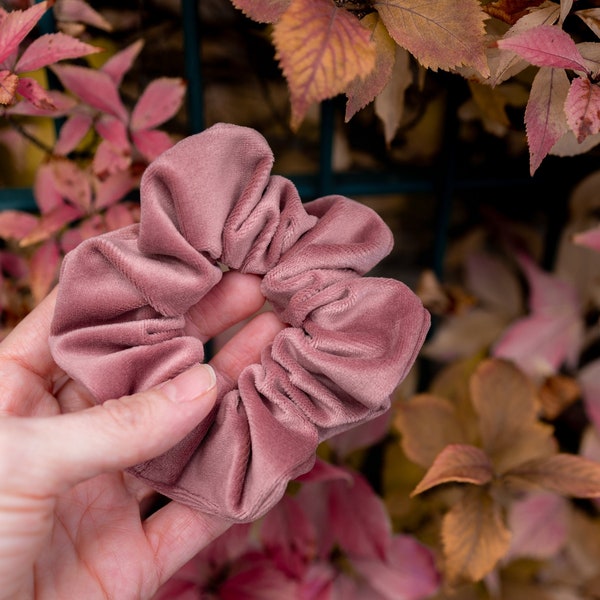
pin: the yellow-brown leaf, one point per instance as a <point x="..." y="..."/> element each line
<point x="321" y="48"/>
<point x="474" y="536"/>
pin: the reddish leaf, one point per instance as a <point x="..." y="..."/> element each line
<point x="474" y="536"/>
<point x="72" y="132"/>
<point x="159" y="102"/>
<point x="459" y="463"/>
<point x="61" y="105"/>
<point x="118" y="216"/>
<point x="51" y="48"/>
<point x="565" y="474"/>
<point x="539" y="526"/>
<point x="113" y="188"/>
<point x="582" y="108"/>
<point x="15" y="225"/>
<point x="428" y="424"/>
<point x="78" y="11"/>
<point x="33" y="92"/>
<point x="151" y="142"/>
<point x="545" y="118"/>
<point x="362" y="91"/>
<point x="16" y="25"/>
<point x="546" y="46"/>
<point x="362" y="436"/>
<point x="8" y="86"/>
<point x="589" y="238"/>
<point x="72" y="183"/>
<point x="323" y="471"/>
<point x="43" y="269"/>
<point x="47" y="197"/>
<point x="321" y="48"/>
<point x="118" y="64"/>
<point x="109" y="159"/>
<point x="265" y="11"/>
<point x="408" y="573"/>
<point x="95" y="88"/>
<point x="440" y="34"/>
<point x="50" y="223"/>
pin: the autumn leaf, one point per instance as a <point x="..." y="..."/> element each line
<point x="591" y="17"/>
<point x="119" y="63"/>
<point x="321" y="48"/>
<point x="545" y="119"/>
<point x="546" y="46"/>
<point x="32" y="91"/>
<point x="43" y="269"/>
<point x="474" y="536"/>
<point x="428" y="424"/>
<point x="158" y="103"/>
<point x="460" y="463"/>
<point x="264" y="11"/>
<point x="510" y="11"/>
<point x="441" y="34"/>
<point x="362" y="91"/>
<point x="8" y="86"/>
<point x="15" y="27"/>
<point x="565" y="474"/>
<point x="582" y="108"/>
<point x="15" y="224"/>
<point x="78" y="11"/>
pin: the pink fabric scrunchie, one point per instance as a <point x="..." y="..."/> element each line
<point x="118" y="325"/>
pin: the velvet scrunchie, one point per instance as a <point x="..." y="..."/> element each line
<point x="118" y="324"/>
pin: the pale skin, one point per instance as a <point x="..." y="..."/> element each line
<point x="72" y="522"/>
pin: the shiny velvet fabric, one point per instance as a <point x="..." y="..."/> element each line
<point x="211" y="200"/>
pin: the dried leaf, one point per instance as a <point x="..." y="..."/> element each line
<point x="362" y="91"/>
<point x="556" y="394"/>
<point x="159" y="102"/>
<point x="546" y="46"/>
<point x="8" y="86"/>
<point x="591" y="17"/>
<point x="321" y="48"/>
<point x="61" y="105"/>
<point x="474" y="536"/>
<point x="264" y="11"/>
<point x="545" y="119"/>
<point x="389" y="104"/>
<point x="428" y="424"/>
<point x="539" y="525"/>
<point x="43" y="269"/>
<point x="562" y="473"/>
<point x="510" y="11"/>
<point x="33" y="92"/>
<point x="582" y="108"/>
<point x="441" y="34"/>
<point x="16" y="25"/>
<point x="459" y="463"/>
<point x="51" y="48"/>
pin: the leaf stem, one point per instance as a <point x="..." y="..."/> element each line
<point x="29" y="136"/>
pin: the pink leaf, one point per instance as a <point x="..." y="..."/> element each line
<point x="552" y="333"/>
<point x="118" y="216"/>
<point x="16" y="25"/>
<point x="324" y="471"/>
<point x="545" y="119"/>
<point x="116" y="66"/>
<point x="266" y="11"/>
<point x="47" y="197"/>
<point x="589" y="238"/>
<point x="113" y="188"/>
<point x="51" y="48"/>
<point x="15" y="225"/>
<point x="8" y="86"/>
<point x="408" y="573"/>
<point x="113" y="131"/>
<point x="151" y="143"/>
<point x="539" y="524"/>
<point x="43" y="269"/>
<point x="582" y="108"/>
<point x="33" y="92"/>
<point x="78" y="11"/>
<point x="546" y="46"/>
<point x="50" y="223"/>
<point x="72" y="132"/>
<point x="362" y="436"/>
<point x="159" y="102"/>
<point x="62" y="104"/>
<point x="109" y="159"/>
<point x="72" y="183"/>
<point x="95" y="88"/>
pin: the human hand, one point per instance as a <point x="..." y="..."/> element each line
<point x="71" y="520"/>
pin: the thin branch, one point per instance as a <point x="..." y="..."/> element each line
<point x="29" y="136"/>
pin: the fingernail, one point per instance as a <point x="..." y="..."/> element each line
<point x="190" y="384"/>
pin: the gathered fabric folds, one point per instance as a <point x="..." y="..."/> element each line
<point x="119" y="324"/>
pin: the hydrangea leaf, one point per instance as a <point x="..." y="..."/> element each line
<point x="582" y="108"/>
<point x="441" y="34"/>
<point x="321" y="48"/>
<point x="263" y="11"/>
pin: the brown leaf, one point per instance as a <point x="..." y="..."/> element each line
<point x="459" y="463"/>
<point x="510" y="11"/>
<point x="504" y="399"/>
<point x="474" y="536"/>
<point x="428" y="424"/>
<point x="563" y="473"/>
<point x="556" y="394"/>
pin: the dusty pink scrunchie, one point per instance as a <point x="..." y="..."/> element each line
<point x="118" y="325"/>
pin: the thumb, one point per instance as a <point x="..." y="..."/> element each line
<point x="58" y="452"/>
